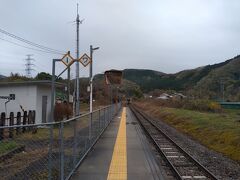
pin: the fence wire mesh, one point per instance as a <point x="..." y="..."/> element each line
<point x="51" y="150"/>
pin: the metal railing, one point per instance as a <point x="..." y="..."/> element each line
<point x="52" y="150"/>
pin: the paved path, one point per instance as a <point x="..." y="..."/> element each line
<point x="122" y="152"/>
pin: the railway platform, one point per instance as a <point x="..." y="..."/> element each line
<point x="123" y="152"/>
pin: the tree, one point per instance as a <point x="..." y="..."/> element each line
<point x="46" y="76"/>
<point x="43" y="76"/>
<point x="16" y="77"/>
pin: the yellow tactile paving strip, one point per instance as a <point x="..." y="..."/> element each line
<point x="118" y="166"/>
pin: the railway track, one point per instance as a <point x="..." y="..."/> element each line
<point x="182" y="164"/>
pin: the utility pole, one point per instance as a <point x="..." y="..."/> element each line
<point x="77" y="98"/>
<point x="222" y="89"/>
<point x="91" y="77"/>
<point x="29" y="65"/>
<point x="68" y="88"/>
<point x="68" y="85"/>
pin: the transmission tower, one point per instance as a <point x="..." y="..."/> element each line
<point x="29" y="64"/>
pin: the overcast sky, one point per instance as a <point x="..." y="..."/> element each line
<point x="163" y="35"/>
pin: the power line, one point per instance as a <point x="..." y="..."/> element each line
<point x="29" y="47"/>
<point x="29" y="65"/>
<point x="30" y="43"/>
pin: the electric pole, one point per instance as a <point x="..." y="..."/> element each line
<point x="68" y="85"/>
<point x="28" y="66"/>
<point x="77" y="99"/>
<point x="222" y="89"/>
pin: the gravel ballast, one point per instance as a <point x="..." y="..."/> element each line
<point x="221" y="166"/>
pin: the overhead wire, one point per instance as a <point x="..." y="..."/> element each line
<point x="41" y="48"/>
<point x="28" y="47"/>
<point x="31" y="43"/>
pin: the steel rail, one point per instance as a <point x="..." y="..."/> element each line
<point x="177" y="175"/>
<point x="206" y="171"/>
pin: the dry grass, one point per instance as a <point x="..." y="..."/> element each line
<point x="21" y="161"/>
<point x="218" y="131"/>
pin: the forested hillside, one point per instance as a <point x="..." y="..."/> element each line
<point x="218" y="81"/>
<point x="210" y="81"/>
<point x="1" y="76"/>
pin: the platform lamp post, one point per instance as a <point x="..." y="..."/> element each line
<point x="91" y="77"/>
<point x="91" y="90"/>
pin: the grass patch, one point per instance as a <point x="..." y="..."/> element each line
<point x="218" y="131"/>
<point x="44" y="133"/>
<point x="6" y="146"/>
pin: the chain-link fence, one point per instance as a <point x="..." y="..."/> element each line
<point x="51" y="150"/>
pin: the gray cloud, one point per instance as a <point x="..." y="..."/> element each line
<point x="164" y="35"/>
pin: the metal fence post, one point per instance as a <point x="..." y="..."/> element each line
<point x="61" y="152"/>
<point x="108" y="114"/>
<point x="99" y="119"/>
<point x="75" y="143"/>
<point x="50" y="152"/>
<point x="90" y="126"/>
<point x="111" y="113"/>
<point x="104" y="118"/>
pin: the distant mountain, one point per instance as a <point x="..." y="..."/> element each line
<point x="221" y="82"/>
<point x="1" y="76"/>
<point x="206" y="81"/>
<point x="150" y="80"/>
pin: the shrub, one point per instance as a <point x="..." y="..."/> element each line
<point x="215" y="107"/>
<point x="61" y="111"/>
<point x="191" y="104"/>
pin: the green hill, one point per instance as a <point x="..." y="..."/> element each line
<point x="225" y="77"/>
<point x="1" y="76"/>
<point x="205" y="81"/>
<point x="149" y="79"/>
<point x="217" y="81"/>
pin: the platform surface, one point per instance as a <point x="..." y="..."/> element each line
<point x="122" y="153"/>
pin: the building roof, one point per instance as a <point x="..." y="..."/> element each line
<point x="29" y="83"/>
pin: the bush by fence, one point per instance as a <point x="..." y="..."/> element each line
<point x="62" y="110"/>
<point x="24" y="118"/>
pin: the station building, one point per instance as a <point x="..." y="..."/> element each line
<point x="29" y="95"/>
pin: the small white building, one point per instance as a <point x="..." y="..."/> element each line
<point x="30" y="95"/>
<point x="178" y="96"/>
<point x="164" y="96"/>
<point x="147" y="96"/>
